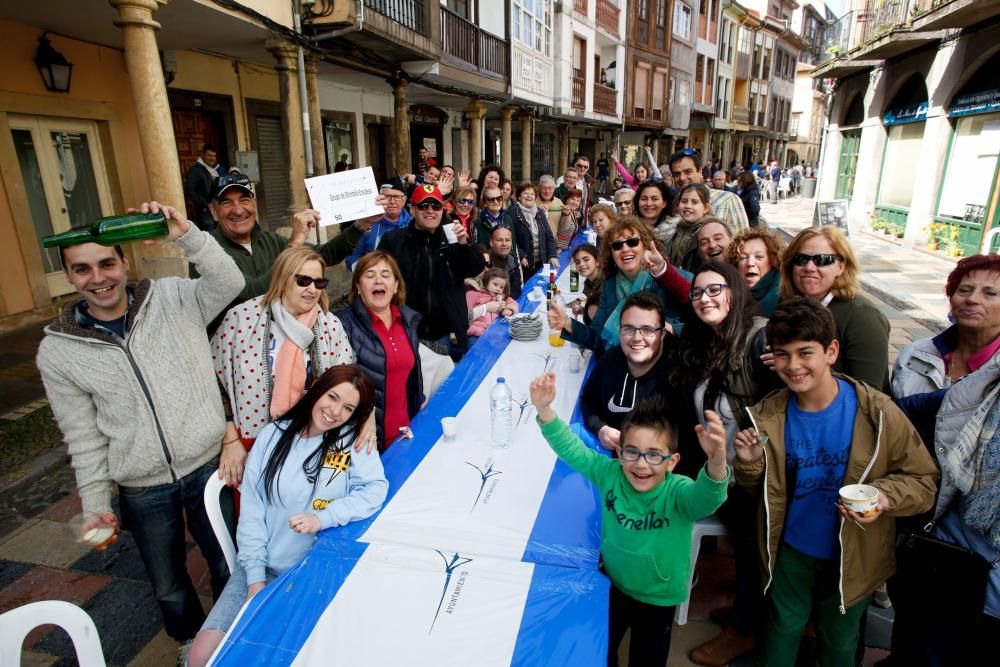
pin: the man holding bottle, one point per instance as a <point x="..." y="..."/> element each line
<point x="129" y="375"/>
<point x="234" y="208"/>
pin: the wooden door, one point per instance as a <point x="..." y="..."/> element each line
<point x="192" y="130"/>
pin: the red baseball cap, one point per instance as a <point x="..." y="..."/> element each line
<point x="422" y="192"/>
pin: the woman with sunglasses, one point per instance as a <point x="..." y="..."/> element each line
<point x="719" y="366"/>
<point x="622" y="259"/>
<point x="535" y="242"/>
<point x="268" y="350"/>
<point x="819" y="264"/>
<point x="491" y="215"/>
<point x="302" y="478"/>
<point x="463" y="210"/>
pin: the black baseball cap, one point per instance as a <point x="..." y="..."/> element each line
<point x="394" y="183"/>
<point x="228" y="181"/>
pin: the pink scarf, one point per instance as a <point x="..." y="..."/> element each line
<point x="289" y="372"/>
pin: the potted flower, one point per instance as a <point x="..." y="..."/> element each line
<point x="953" y="247"/>
<point x="935" y="235"/>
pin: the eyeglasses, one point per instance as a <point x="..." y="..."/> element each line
<point x="631" y="454"/>
<point x="467" y="202"/>
<point x="431" y="205"/>
<point x="305" y="281"/>
<point x="714" y="289"/>
<point x="584" y="167"/>
<point x="395" y="197"/>
<point x="494" y="199"/>
<point x="629" y="331"/>
<point x="821" y="260"/>
<point x="631" y="242"/>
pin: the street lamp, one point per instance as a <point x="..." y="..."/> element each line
<point x="56" y="71"/>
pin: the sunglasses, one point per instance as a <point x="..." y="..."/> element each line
<point x="305" y="281"/>
<point x="714" y="289"/>
<point x="430" y="205"/>
<point x="624" y="202"/>
<point x="467" y="202"/>
<point x="631" y="242"/>
<point x="821" y="260"/>
<point x="494" y="199"/>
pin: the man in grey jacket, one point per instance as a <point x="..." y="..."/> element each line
<point x="129" y="375"/>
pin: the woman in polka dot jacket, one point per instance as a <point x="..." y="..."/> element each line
<point x="268" y="350"/>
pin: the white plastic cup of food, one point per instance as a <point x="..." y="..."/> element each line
<point x="449" y="232"/>
<point x="92" y="530"/>
<point x="860" y="498"/>
<point x="449" y="426"/>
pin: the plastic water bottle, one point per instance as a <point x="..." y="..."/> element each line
<point x="501" y="425"/>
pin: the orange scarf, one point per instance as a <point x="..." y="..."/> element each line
<point x="289" y="372"/>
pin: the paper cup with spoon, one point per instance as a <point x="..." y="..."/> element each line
<point x="862" y="499"/>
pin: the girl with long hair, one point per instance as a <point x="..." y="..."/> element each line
<point x="301" y="477"/>
<point x="719" y="366"/>
<point x="692" y="207"/>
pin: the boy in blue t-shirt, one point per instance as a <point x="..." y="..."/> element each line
<point x="821" y="560"/>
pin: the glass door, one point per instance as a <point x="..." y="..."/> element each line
<point x="64" y="179"/>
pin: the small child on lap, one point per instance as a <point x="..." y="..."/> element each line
<point x="647" y="518"/>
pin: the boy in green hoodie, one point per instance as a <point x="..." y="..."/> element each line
<point x="647" y="518"/>
<point x="822" y="561"/>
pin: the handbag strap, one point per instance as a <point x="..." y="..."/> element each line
<point x="929" y="527"/>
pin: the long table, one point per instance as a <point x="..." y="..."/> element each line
<point x="478" y="556"/>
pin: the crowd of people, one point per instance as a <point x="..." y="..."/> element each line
<point x="734" y="375"/>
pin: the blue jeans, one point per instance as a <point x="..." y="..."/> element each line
<point x="155" y="516"/>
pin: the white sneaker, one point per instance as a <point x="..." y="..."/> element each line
<point x="880" y="597"/>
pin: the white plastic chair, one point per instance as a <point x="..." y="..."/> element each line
<point x="213" y="487"/>
<point x="710" y="525"/>
<point x="17" y="623"/>
<point x="988" y="239"/>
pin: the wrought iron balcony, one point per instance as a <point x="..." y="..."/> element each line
<point x="836" y="39"/>
<point x="408" y="13"/>
<point x="464" y="40"/>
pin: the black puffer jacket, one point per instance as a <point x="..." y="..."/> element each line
<point x="434" y="273"/>
<point x="368" y="348"/>
<point x="524" y="240"/>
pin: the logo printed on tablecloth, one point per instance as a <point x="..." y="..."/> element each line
<point x="450" y="565"/>
<point x="486" y="473"/>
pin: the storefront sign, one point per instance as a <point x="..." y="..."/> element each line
<point x="833" y="212"/>
<point x="344" y="196"/>
<point x="986" y="101"/>
<point x="911" y="113"/>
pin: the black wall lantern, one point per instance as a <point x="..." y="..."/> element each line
<point x="56" y="71"/>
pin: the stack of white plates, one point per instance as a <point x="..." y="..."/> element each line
<point x="526" y="326"/>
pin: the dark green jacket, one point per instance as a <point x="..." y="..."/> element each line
<point x="863" y="332"/>
<point x="256" y="267"/>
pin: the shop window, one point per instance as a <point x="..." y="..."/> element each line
<point x="965" y="188"/>
<point x="902" y="148"/>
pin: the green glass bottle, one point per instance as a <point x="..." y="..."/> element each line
<point x="574" y="280"/>
<point x="114" y="230"/>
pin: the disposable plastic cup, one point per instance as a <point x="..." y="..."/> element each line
<point x="449" y="426"/>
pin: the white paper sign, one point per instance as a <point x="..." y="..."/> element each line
<point x="344" y="196"/>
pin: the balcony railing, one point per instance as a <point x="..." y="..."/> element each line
<point x="836" y="40"/>
<point x="741" y="115"/>
<point x="408" y="13"/>
<point x="467" y="42"/>
<point x="605" y="99"/>
<point x="579" y="83"/>
<point x="581" y="6"/>
<point x="889" y="15"/>
<point x="607" y="16"/>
